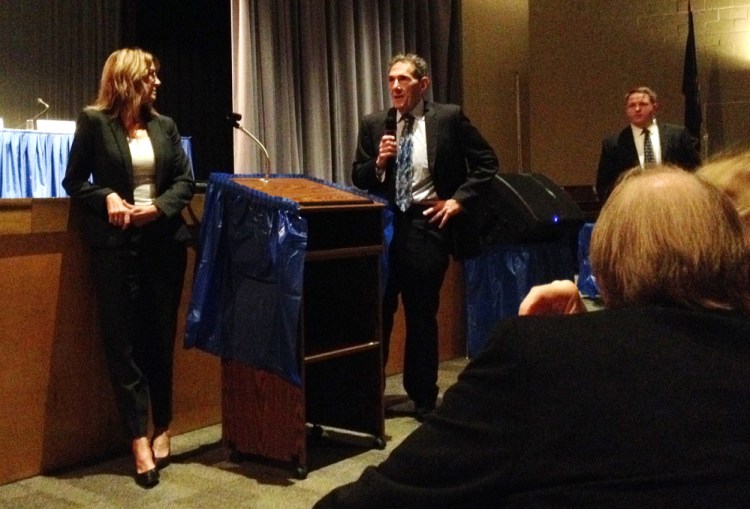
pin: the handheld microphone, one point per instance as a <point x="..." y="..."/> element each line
<point x="234" y="119"/>
<point x="389" y="129"/>
<point x="390" y="122"/>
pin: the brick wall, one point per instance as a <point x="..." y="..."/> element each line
<point x="584" y="55"/>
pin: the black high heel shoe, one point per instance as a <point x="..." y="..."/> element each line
<point x="163" y="462"/>
<point x="147" y="479"/>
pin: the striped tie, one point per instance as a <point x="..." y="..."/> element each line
<point x="404" y="172"/>
<point x="648" y="150"/>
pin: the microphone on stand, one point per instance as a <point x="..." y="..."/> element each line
<point x="30" y="121"/>
<point x="234" y="119"/>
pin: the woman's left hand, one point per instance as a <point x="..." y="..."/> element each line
<point x="142" y="214"/>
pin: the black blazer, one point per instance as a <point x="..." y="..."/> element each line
<point x="100" y="152"/>
<point x="619" y="154"/>
<point x="639" y="407"/>
<point x="461" y="163"/>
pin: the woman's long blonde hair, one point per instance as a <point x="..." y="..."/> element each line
<point x="123" y="83"/>
<point x="731" y="174"/>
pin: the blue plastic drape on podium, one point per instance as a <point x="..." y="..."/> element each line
<point x="248" y="286"/>
<point x="501" y="276"/>
<point x="32" y="163"/>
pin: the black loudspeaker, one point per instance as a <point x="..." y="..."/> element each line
<point x="527" y="207"/>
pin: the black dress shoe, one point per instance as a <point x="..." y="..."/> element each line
<point x="147" y="479"/>
<point x="421" y="412"/>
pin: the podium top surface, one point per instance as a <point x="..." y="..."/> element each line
<point x="306" y="192"/>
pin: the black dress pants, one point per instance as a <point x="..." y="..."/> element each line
<point x="138" y="290"/>
<point x="417" y="259"/>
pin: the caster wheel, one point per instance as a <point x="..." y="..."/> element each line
<point x="300" y="472"/>
<point x="317" y="430"/>
<point x="379" y="443"/>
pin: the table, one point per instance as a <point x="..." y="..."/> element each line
<point x="32" y="163"/>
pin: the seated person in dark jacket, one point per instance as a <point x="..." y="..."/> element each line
<point x="642" y="404"/>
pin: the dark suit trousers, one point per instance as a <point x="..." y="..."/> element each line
<point x="418" y="259"/>
<point x="138" y="292"/>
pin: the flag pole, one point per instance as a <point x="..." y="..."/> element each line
<point x="519" y="136"/>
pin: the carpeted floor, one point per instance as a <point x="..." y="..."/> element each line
<point x="203" y="476"/>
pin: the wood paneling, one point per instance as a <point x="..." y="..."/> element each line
<point x="451" y="323"/>
<point x="56" y="399"/>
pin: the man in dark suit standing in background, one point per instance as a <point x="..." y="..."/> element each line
<point x="432" y="164"/>
<point x="643" y="143"/>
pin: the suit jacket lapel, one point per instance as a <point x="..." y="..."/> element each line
<point x="663" y="141"/>
<point x="157" y="138"/>
<point x="431" y="126"/>
<point x="121" y="138"/>
<point x="627" y="142"/>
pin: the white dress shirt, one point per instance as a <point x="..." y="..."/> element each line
<point x="422" y="185"/>
<point x="639" y="138"/>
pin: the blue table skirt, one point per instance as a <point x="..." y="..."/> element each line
<point x="586" y="280"/>
<point x="32" y="163"/>
<point x="499" y="279"/>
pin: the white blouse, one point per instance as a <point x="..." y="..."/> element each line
<point x="144" y="168"/>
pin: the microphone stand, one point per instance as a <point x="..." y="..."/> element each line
<point x="30" y="121"/>
<point x="234" y="118"/>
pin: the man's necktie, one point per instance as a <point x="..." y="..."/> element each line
<point x="648" y="150"/>
<point x="404" y="171"/>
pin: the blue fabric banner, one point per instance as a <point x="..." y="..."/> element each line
<point x="248" y="285"/>
<point x="33" y="163"/>
<point x="500" y="277"/>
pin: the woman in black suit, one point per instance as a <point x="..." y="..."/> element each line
<point x="128" y="166"/>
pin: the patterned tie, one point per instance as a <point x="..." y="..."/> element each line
<point x="404" y="171"/>
<point x="648" y="150"/>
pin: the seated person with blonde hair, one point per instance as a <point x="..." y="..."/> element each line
<point x="731" y="174"/>
<point x="642" y="404"/>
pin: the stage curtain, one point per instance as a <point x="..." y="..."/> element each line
<point x="54" y="51"/>
<point x="306" y="71"/>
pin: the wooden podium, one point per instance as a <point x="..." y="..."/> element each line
<point x="338" y="343"/>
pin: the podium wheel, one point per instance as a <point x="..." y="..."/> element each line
<point x="378" y="443"/>
<point x="300" y="472"/>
